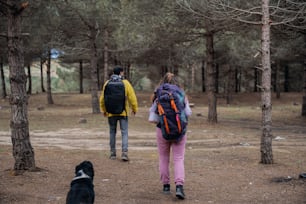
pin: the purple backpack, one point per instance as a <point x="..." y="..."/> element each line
<point x="170" y="108"/>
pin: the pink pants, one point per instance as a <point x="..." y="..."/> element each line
<point x="178" y="154"/>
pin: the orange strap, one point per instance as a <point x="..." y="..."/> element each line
<point x="162" y="113"/>
<point x="177" y="115"/>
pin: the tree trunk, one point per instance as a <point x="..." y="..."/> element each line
<point x="216" y="77"/>
<point x="4" y="94"/>
<point x="237" y="79"/>
<point x="29" y="92"/>
<point x="277" y="79"/>
<point x="286" y="84"/>
<point x="81" y="77"/>
<point x="228" y="83"/>
<point x="192" y="66"/>
<point x="266" y="138"/>
<point x="106" y="75"/>
<point x="256" y="80"/>
<point x="304" y="105"/>
<point x="164" y="70"/>
<point x="98" y="76"/>
<point x="49" y="90"/>
<point x="211" y="80"/>
<point x="304" y="97"/>
<point x="203" y="76"/>
<point x="175" y="69"/>
<point x="22" y="148"/>
<point x="42" y="76"/>
<point x="93" y="71"/>
<point x="127" y="70"/>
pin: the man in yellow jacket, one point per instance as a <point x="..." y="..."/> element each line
<point x="130" y="102"/>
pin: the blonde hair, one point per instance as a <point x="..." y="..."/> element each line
<point x="170" y="79"/>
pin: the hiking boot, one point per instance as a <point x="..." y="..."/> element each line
<point x="180" y="192"/>
<point x="124" y="156"/>
<point x="166" y="189"/>
<point x="112" y="156"/>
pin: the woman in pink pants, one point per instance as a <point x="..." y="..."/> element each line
<point x="166" y="146"/>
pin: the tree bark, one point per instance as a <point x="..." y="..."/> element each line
<point x="277" y="79"/>
<point x="304" y="97"/>
<point x="106" y="77"/>
<point x="4" y="94"/>
<point x="216" y="77"/>
<point x="81" y="77"/>
<point x="128" y="70"/>
<point x="29" y="92"/>
<point x="203" y="76"/>
<point x="42" y="76"/>
<point x="192" y="66"/>
<point x="237" y="79"/>
<point x="98" y="76"/>
<point x="229" y="81"/>
<point x="93" y="71"/>
<point x="211" y="80"/>
<point x="22" y="148"/>
<point x="163" y="71"/>
<point x="256" y="80"/>
<point x="49" y="89"/>
<point x="286" y="84"/>
<point x="266" y="138"/>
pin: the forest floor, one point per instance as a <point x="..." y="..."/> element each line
<point x="222" y="161"/>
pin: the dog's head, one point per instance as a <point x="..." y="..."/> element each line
<point x="86" y="167"/>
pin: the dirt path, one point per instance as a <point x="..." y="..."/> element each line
<point x="78" y="139"/>
<point x="221" y="162"/>
<point x="97" y="138"/>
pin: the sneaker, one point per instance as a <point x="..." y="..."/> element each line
<point x="124" y="156"/>
<point x="180" y="192"/>
<point x="112" y="156"/>
<point x="166" y="189"/>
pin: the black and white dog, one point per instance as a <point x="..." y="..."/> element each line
<point x="81" y="187"/>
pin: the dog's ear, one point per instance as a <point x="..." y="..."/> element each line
<point x="77" y="168"/>
<point x="93" y="173"/>
<point x="88" y="163"/>
<point x="89" y="169"/>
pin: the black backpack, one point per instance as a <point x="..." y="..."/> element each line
<point x="170" y="108"/>
<point x="114" y="95"/>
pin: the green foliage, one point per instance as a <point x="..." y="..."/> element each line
<point x="140" y="81"/>
<point x="67" y="80"/>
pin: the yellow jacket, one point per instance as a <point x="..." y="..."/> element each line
<point x="130" y="100"/>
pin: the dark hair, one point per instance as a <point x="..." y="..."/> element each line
<point x="117" y="70"/>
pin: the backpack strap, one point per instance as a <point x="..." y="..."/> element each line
<point x="161" y="112"/>
<point x="173" y="106"/>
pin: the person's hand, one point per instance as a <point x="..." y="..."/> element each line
<point x="133" y="112"/>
